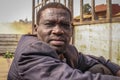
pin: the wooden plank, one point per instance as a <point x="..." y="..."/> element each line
<point x="8" y="39"/>
<point x="10" y="35"/>
<point x="9" y="46"/>
<point x="8" y="42"/>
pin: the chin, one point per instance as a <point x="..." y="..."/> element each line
<point x="59" y="50"/>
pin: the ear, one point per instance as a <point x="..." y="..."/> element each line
<point x="35" y="29"/>
<point x="71" y="31"/>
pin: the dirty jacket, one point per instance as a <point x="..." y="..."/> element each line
<point x="35" y="60"/>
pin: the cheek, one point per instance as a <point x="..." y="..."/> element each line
<point x="42" y="35"/>
<point x="69" y="35"/>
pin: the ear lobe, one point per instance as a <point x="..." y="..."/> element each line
<point x="35" y="29"/>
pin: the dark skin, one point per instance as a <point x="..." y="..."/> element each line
<point x="54" y="28"/>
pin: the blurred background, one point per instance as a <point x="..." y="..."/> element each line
<point x="96" y="27"/>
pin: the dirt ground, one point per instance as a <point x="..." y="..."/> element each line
<point x="4" y="67"/>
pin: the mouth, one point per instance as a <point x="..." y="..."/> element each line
<point x="57" y="42"/>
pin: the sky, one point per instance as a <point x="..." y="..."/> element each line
<point x="13" y="10"/>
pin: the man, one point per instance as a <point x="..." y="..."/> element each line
<point x="49" y="56"/>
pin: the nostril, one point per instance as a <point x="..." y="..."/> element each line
<point x="58" y="30"/>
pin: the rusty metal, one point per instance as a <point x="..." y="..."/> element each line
<point x="93" y="10"/>
<point x="109" y="10"/>
<point x="65" y="2"/>
<point x="33" y="15"/>
<point x="109" y="17"/>
<point x="81" y="10"/>
<point x="59" y="1"/>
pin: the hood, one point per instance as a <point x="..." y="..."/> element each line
<point x="30" y="45"/>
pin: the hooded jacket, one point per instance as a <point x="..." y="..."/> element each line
<point x="36" y="60"/>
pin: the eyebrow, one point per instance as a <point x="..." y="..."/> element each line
<point x="63" y="21"/>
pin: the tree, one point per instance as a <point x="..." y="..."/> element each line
<point x="86" y="8"/>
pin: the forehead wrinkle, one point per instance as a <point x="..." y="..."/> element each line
<point x="55" y="13"/>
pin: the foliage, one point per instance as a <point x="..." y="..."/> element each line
<point x="22" y="27"/>
<point x="8" y="55"/>
<point x="86" y="8"/>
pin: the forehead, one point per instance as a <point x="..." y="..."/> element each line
<point x="55" y="13"/>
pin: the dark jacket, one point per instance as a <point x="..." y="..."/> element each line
<point x="35" y="60"/>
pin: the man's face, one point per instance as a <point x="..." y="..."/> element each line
<point x="55" y="28"/>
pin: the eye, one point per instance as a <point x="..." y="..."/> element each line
<point x="65" y="25"/>
<point x="50" y="24"/>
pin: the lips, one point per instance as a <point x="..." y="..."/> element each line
<point x="57" y="42"/>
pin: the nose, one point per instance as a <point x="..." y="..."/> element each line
<point x="58" y="30"/>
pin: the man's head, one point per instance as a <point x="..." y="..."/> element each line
<point x="52" y="5"/>
<point x="54" y="26"/>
